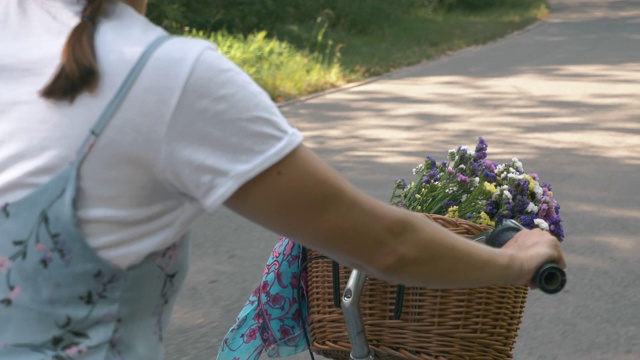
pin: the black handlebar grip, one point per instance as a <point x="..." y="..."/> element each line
<point x="549" y="278"/>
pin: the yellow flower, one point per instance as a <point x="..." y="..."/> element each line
<point x="453" y="212"/>
<point x="490" y="187"/>
<point x="532" y="183"/>
<point x="485" y="220"/>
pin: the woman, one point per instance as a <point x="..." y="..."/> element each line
<point x="93" y="242"/>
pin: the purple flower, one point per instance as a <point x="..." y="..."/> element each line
<point x="527" y="220"/>
<point x="432" y="162"/>
<point x="473" y="168"/>
<point x="448" y="204"/>
<point x="401" y="184"/>
<point x="491" y="209"/>
<point x="462" y="178"/>
<point x="481" y="149"/>
<point x="489" y="176"/>
<point x="432" y="176"/>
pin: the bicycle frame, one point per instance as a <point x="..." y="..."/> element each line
<point x="350" y="304"/>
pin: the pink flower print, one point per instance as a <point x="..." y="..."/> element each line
<point x="296" y="316"/>
<point x="280" y="279"/>
<point x="40" y="247"/>
<point x="289" y="248"/>
<point x="251" y="335"/>
<point x="76" y="350"/>
<point x="15" y="292"/>
<point x="264" y="288"/>
<point x="258" y="318"/>
<point x="294" y="281"/>
<point x="5" y="263"/>
<point x="276" y="300"/>
<point x="73" y="350"/>
<point x="285" y="332"/>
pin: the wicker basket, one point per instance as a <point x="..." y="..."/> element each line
<point x="479" y="323"/>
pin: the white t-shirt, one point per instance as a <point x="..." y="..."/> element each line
<point x="193" y="129"/>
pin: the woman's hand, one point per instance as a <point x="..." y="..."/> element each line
<point x="531" y="249"/>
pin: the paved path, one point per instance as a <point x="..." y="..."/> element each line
<point x="563" y="96"/>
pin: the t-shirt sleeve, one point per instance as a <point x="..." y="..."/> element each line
<point x="225" y="130"/>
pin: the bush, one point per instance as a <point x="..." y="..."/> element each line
<point x="248" y="16"/>
<point x="282" y="70"/>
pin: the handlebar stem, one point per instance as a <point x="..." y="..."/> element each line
<point x="353" y="317"/>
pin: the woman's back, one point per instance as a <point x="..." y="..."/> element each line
<point x="187" y="135"/>
<point x="190" y="131"/>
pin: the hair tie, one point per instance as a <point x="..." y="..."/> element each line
<point x="89" y="19"/>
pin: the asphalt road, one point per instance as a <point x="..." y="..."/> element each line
<point x="562" y="96"/>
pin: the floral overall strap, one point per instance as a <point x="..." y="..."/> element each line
<point x="272" y="321"/>
<point x="58" y="298"/>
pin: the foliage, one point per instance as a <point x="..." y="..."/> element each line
<point x="471" y="187"/>
<point x="282" y="70"/>
<point x="273" y="16"/>
<point x="341" y="41"/>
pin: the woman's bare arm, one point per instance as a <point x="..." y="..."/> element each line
<point x="305" y="199"/>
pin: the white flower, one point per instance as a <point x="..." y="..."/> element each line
<point x="538" y="190"/>
<point x="418" y="169"/>
<point x="507" y="195"/>
<point x="515" y="176"/>
<point x="476" y="181"/>
<point x="464" y="197"/>
<point x="541" y="224"/>
<point x="517" y="163"/>
<point x="532" y="208"/>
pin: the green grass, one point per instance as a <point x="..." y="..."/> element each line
<point x="348" y="41"/>
<point x="284" y="71"/>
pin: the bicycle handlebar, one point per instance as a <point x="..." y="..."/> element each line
<point x="549" y="278"/>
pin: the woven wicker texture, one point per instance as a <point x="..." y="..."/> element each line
<point x="479" y="323"/>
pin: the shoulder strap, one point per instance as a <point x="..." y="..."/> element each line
<point x="117" y="99"/>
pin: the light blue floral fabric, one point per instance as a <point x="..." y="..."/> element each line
<point x="58" y="299"/>
<point x="273" y="320"/>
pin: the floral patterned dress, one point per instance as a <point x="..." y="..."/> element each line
<point x="273" y="321"/>
<point x="58" y="299"/>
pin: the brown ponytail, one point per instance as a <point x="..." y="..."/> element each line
<point x="78" y="70"/>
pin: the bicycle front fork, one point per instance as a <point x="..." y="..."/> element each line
<point x="353" y="317"/>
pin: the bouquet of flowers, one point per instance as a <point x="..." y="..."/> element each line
<point x="471" y="187"/>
